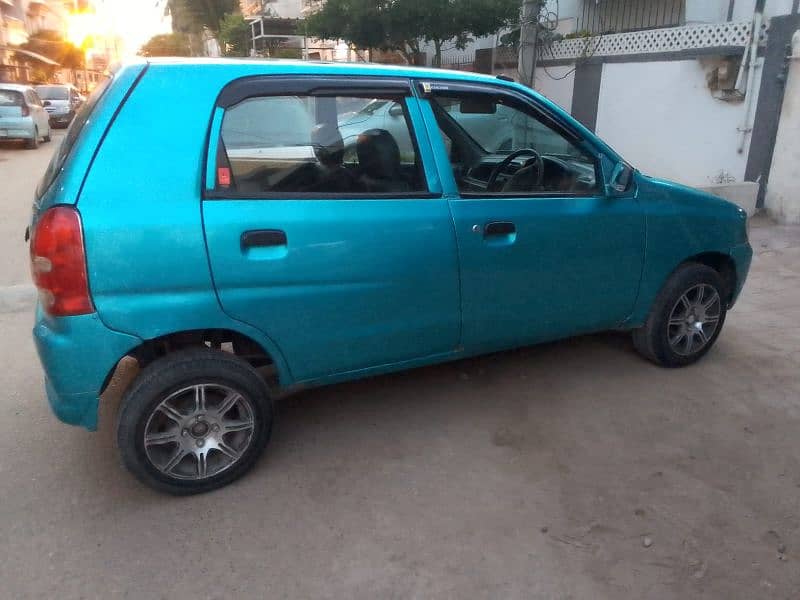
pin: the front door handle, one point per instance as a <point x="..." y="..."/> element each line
<point x="259" y="238"/>
<point x="499" y="228"/>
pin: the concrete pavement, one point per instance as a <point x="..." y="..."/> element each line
<point x="528" y="474"/>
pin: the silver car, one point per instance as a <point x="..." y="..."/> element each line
<point x="22" y="115"/>
<point x="61" y="101"/>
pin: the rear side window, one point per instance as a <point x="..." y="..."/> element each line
<point x="11" y="98"/>
<point x="73" y="132"/>
<point x="310" y="145"/>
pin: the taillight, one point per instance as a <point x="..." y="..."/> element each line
<point x="58" y="263"/>
<point x="26" y="111"/>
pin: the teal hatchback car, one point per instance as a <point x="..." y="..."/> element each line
<point x="211" y="220"/>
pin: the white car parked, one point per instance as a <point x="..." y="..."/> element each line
<point x="22" y="115"/>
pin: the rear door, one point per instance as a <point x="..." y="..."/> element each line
<point x="344" y="255"/>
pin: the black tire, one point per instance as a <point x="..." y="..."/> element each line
<point x="33" y="143"/>
<point x="176" y="371"/>
<point x="653" y="339"/>
<point x="49" y="136"/>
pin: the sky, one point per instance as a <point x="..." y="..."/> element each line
<point x="134" y="21"/>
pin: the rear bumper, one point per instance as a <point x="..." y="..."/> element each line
<point x="17" y="129"/>
<point x="742" y="256"/>
<point x="78" y="355"/>
<point x="57" y="120"/>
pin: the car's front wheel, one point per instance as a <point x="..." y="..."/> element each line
<point x="194" y="421"/>
<point x="686" y="318"/>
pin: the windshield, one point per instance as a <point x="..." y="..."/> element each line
<point x="53" y="92"/>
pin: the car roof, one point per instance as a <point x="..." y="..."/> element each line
<point x="288" y="67"/>
<point x="17" y="87"/>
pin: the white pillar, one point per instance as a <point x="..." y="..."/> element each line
<point x="783" y="190"/>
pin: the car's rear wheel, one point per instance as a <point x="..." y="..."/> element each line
<point x="194" y="421"/>
<point x="33" y="143"/>
<point x="686" y="318"/>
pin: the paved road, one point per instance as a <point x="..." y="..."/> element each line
<point x="20" y="170"/>
<point x="528" y="474"/>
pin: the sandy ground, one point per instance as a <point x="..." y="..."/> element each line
<point x="568" y="470"/>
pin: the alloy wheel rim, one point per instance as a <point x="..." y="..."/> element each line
<point x="694" y="319"/>
<point x="199" y="431"/>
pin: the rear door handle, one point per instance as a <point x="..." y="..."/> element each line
<point x="499" y="228"/>
<point x="259" y="238"/>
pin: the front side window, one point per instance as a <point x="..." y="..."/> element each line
<point x="294" y="144"/>
<point x="499" y="145"/>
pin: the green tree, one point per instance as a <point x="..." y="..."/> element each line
<point x="191" y="16"/>
<point x="52" y="45"/>
<point x="457" y="21"/>
<point x="370" y="24"/>
<point x="167" y="44"/>
<point x="234" y="35"/>
<point x="400" y="24"/>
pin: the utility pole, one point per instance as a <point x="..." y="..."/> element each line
<point x="528" y="41"/>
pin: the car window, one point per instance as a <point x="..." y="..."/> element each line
<point x="81" y="117"/>
<point x="317" y="145"/>
<point x="11" y="98"/>
<point x="481" y="130"/>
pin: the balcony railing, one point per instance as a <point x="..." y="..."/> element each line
<point x="617" y="16"/>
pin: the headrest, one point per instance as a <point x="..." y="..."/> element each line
<point x="378" y="153"/>
<point x="327" y="143"/>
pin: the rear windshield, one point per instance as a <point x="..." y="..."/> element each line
<point x="52" y="92"/>
<point x="73" y="132"/>
<point x="11" y="98"/>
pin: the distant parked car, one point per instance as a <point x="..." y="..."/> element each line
<point x="22" y="115"/>
<point x="61" y="102"/>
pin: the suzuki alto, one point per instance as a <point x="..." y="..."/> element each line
<point x="256" y="239"/>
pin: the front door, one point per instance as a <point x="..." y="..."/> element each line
<point x="343" y="253"/>
<point x="544" y="253"/>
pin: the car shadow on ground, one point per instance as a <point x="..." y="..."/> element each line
<point x="383" y="415"/>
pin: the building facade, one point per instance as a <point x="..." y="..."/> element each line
<point x="690" y="90"/>
<point x="20" y="19"/>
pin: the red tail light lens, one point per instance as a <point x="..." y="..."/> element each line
<point x="58" y="263"/>
<point x="26" y="111"/>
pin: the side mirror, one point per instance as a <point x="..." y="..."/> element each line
<point x="47" y="103"/>
<point x="396" y="110"/>
<point x="621" y="178"/>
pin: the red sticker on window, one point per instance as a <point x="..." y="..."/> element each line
<point x="224" y="176"/>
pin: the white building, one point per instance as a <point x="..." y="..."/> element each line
<point x="670" y="84"/>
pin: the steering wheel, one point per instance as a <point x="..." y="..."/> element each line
<point x="535" y="156"/>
